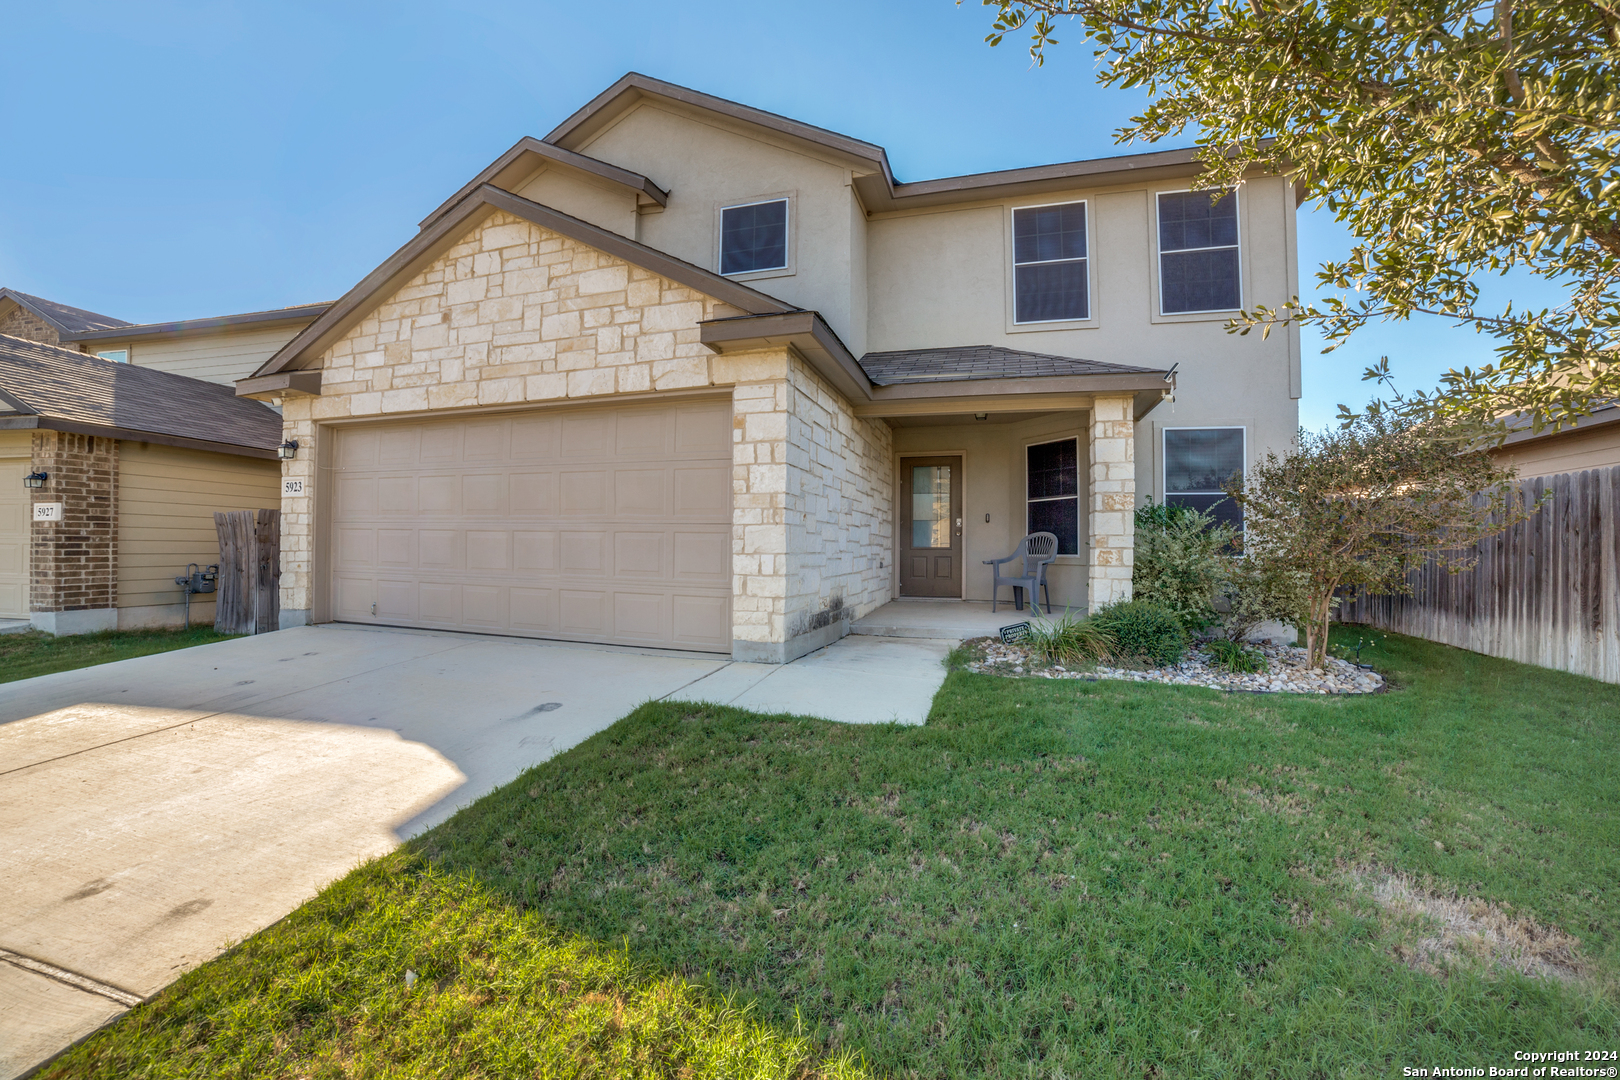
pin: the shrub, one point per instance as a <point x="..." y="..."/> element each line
<point x="1260" y="591"/>
<point x="1068" y="638"/>
<point x="1235" y="658"/>
<point x="1183" y="562"/>
<point x="1142" y="632"/>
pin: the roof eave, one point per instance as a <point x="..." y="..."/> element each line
<point x="282" y="384"/>
<point x="75" y="427"/>
<point x="805" y="331"/>
<point x="192" y="327"/>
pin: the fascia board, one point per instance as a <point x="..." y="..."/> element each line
<point x="281" y="384"/>
<point x="530" y="153"/>
<point x="805" y="331"/>
<point x="191" y="327"/>
<point x="51" y="423"/>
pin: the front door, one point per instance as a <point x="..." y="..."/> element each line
<point x="931" y="526"/>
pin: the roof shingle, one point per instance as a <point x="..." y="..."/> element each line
<point x="67" y="320"/>
<point x="969" y="362"/>
<point x="50" y="382"/>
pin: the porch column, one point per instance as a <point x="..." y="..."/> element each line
<point x="1111" y="444"/>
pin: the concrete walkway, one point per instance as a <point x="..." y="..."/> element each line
<point x="156" y="810"/>
<point x="955" y="619"/>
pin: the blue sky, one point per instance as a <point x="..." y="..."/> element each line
<point x="192" y="159"/>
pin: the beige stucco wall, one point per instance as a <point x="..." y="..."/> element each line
<point x="706" y="162"/>
<point x="220" y="356"/>
<point x="167" y="498"/>
<point x="597" y="202"/>
<point x="1573" y="451"/>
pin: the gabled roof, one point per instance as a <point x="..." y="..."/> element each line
<point x="529" y="154"/>
<point x="971" y="362"/>
<point x="187" y="327"/>
<point x="65" y="320"/>
<point x="439" y="237"/>
<point x="43" y="386"/>
<point x="874" y="179"/>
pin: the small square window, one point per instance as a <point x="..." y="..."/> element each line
<point x="117" y="356"/>
<point x="1198" y="252"/>
<point x="754" y="237"/>
<point x="1197" y="462"/>
<point x="1050" y="282"/>
<point x="1052" y="480"/>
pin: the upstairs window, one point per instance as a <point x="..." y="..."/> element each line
<point x="1197" y="461"/>
<point x="1049" y="264"/>
<point x="1198" y="252"/>
<point x="754" y="237"/>
<point x="1052" y="479"/>
<point x="117" y="356"/>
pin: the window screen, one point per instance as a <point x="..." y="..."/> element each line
<point x="1197" y="461"/>
<point x="1198" y="252"/>
<point x="1053" y="479"/>
<point x="1049" y="263"/>
<point x="753" y="237"/>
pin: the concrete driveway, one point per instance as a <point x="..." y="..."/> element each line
<point x="157" y="810"/>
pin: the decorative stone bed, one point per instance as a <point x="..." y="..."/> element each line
<point x="1286" y="672"/>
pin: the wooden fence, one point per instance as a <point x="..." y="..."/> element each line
<point x="248" y="600"/>
<point x="1546" y="591"/>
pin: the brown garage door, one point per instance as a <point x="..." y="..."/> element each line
<point x="606" y="524"/>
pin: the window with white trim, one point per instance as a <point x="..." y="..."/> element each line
<point x="117" y="356"/>
<point x="754" y="237"/>
<point x="1198" y="252"/>
<point x="1052" y="492"/>
<point x="1050" y="281"/>
<point x="1197" y="461"/>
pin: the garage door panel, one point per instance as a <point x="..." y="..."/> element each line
<point x="640" y="492"/>
<point x="535" y="438"/>
<point x="534" y="550"/>
<point x="703" y="429"/>
<point x="701" y="621"/>
<point x="484" y="606"/>
<point x="701" y="492"/>
<point x="640" y="617"/>
<point x="583" y="611"/>
<point x="603" y="524"/>
<point x="533" y="493"/>
<point x="583" y="552"/>
<point x="438" y="602"/>
<point x="484" y="493"/>
<point x="702" y="557"/>
<point x="489" y="550"/>
<point x="639" y="554"/>
<point x="438" y="494"/>
<point x="584" y="494"/>
<point x="396" y="495"/>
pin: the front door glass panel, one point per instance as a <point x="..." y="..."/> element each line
<point x="930" y="506"/>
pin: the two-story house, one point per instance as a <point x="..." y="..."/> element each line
<point x="688" y="374"/>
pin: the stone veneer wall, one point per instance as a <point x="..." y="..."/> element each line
<point x="25" y="324"/>
<point x="75" y="561"/>
<point x="840" y="508"/>
<point x="1112" y="449"/>
<point x="515" y="313"/>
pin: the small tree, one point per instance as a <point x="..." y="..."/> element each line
<point x="1364" y="505"/>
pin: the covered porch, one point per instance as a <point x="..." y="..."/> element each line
<point x="940" y="619"/>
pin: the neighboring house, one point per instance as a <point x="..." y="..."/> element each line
<point x="688" y="374"/>
<point x="221" y="349"/>
<point x="138" y="460"/>
<point x="1592" y="443"/>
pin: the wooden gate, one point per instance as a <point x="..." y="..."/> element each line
<point x="249" y="596"/>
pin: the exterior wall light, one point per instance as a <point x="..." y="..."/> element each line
<point x="35" y="479"/>
<point x="287" y="450"/>
<point x="981" y="416"/>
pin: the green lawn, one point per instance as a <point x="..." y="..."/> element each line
<point x="22" y="656"/>
<point x="1049" y="879"/>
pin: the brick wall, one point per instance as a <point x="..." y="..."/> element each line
<point x="75" y="560"/>
<point x="25" y="324"/>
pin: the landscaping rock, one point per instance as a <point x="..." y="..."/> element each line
<point x="1286" y="671"/>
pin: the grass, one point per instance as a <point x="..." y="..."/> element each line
<point x="1049" y="879"/>
<point x="25" y="655"/>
